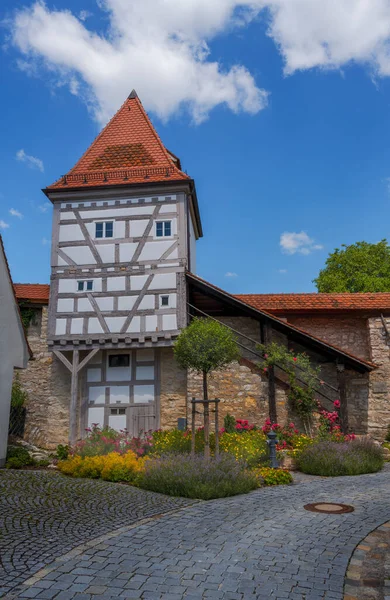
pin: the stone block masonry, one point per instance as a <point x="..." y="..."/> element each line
<point x="47" y="383"/>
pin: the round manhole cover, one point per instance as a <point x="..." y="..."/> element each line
<point x="329" y="508"/>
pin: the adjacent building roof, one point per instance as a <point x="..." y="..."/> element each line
<point x="200" y="286"/>
<point x="127" y="151"/>
<point x="304" y="303"/>
<point x="32" y="292"/>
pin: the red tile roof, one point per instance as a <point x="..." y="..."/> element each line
<point x="33" y="292"/>
<point x="128" y="150"/>
<point x="304" y="303"/>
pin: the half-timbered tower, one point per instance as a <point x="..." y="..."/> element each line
<point x="125" y="223"/>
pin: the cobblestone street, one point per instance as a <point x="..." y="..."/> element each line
<point x="43" y="515"/>
<point x="263" y="545"/>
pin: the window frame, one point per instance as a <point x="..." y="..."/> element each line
<point x="110" y="366"/>
<point x="104" y="235"/>
<point x="84" y="283"/>
<point x="164" y="234"/>
<point x="162" y="305"/>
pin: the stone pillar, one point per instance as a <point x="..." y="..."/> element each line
<point x="173" y="390"/>
<point x="379" y="386"/>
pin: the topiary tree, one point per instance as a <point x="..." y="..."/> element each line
<point x="205" y="346"/>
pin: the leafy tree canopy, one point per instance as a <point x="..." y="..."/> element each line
<point x="360" y="267"/>
<point x="205" y="345"/>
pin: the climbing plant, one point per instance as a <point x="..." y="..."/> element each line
<point x="302" y="377"/>
<point x="27" y="313"/>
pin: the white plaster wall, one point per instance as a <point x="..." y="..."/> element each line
<point x="137" y="228"/>
<point x="84" y="305"/>
<point x="126" y="302"/>
<point x="81" y="255"/>
<point x="119" y="229"/>
<point x="145" y="355"/>
<point x="70" y="233"/>
<point x="126" y="251"/>
<point x="150" y="323"/>
<point x="13" y="350"/>
<point x="116" y="284"/>
<point x="65" y="305"/>
<point x="105" y="303"/>
<point x="96" y="415"/>
<point x="117" y="422"/>
<point x="76" y="326"/>
<point x="154" y="250"/>
<point x="60" y="326"/>
<point x="192" y="265"/>
<point x="114" y="213"/>
<point x="167" y="208"/>
<point x="169" y="322"/>
<point x="137" y="282"/>
<point x="147" y="302"/>
<point x="135" y="325"/>
<point x="163" y="281"/>
<point x="94" y="326"/>
<point x="106" y="252"/>
<point x="65" y="216"/>
<point x="115" y="324"/>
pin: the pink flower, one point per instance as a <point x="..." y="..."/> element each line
<point x="294" y="358"/>
<point x="336" y="403"/>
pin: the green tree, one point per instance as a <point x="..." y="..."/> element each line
<point x="205" y="346"/>
<point x="360" y="267"/>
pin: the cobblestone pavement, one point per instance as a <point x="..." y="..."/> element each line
<point x="368" y="575"/>
<point x="44" y="514"/>
<point x="263" y="545"/>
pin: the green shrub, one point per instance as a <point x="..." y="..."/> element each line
<point x="332" y="459"/>
<point x="387" y="438"/>
<point x="250" y="447"/>
<point x="18" y="457"/>
<point x="62" y="452"/>
<point x="195" y="477"/>
<point x="271" y="476"/>
<point x="18" y="395"/>
<point x="229" y="423"/>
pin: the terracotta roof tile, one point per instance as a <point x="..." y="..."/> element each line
<point x="128" y="150"/>
<point x="33" y="292"/>
<point x="303" y="303"/>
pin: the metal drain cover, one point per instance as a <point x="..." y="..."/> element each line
<point x="329" y="508"/>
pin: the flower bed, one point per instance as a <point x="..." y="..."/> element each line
<point x="332" y="459"/>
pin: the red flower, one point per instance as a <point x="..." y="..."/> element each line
<point x="336" y="403"/>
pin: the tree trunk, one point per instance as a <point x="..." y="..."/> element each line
<point x="206" y="418"/>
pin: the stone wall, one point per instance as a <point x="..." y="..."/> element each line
<point x="47" y="383"/>
<point x="348" y="332"/>
<point x="173" y="390"/>
<point x="379" y="389"/>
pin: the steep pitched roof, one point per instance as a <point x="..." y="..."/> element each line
<point x="32" y="292"/>
<point x="304" y="303"/>
<point x="128" y="150"/>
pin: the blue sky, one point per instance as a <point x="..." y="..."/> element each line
<point x="278" y="139"/>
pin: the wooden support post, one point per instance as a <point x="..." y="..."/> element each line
<point x="344" y="423"/>
<point x="73" y="399"/>
<point x="271" y="380"/>
<point x="216" y="428"/>
<point x="193" y="427"/>
<point x="206" y="430"/>
<point x="272" y="396"/>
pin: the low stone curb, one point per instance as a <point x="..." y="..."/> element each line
<point x="368" y="573"/>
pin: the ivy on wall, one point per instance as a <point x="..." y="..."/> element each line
<point x="27" y="313"/>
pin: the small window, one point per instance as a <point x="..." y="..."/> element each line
<point x="121" y="411"/>
<point x="119" y="360"/>
<point x="85" y="286"/>
<point x="163" y="228"/>
<point x="164" y="301"/>
<point x="104" y="229"/>
<point x="114" y="411"/>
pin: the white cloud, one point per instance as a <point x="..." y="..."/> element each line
<point x="43" y="208"/>
<point x="45" y="241"/>
<point x="84" y="14"/>
<point x="15" y="213"/>
<point x="282" y="271"/>
<point x="231" y="274"/>
<point x="3" y="224"/>
<point x="32" y="161"/>
<point x="301" y="243"/>
<point x="160" y="47"/>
